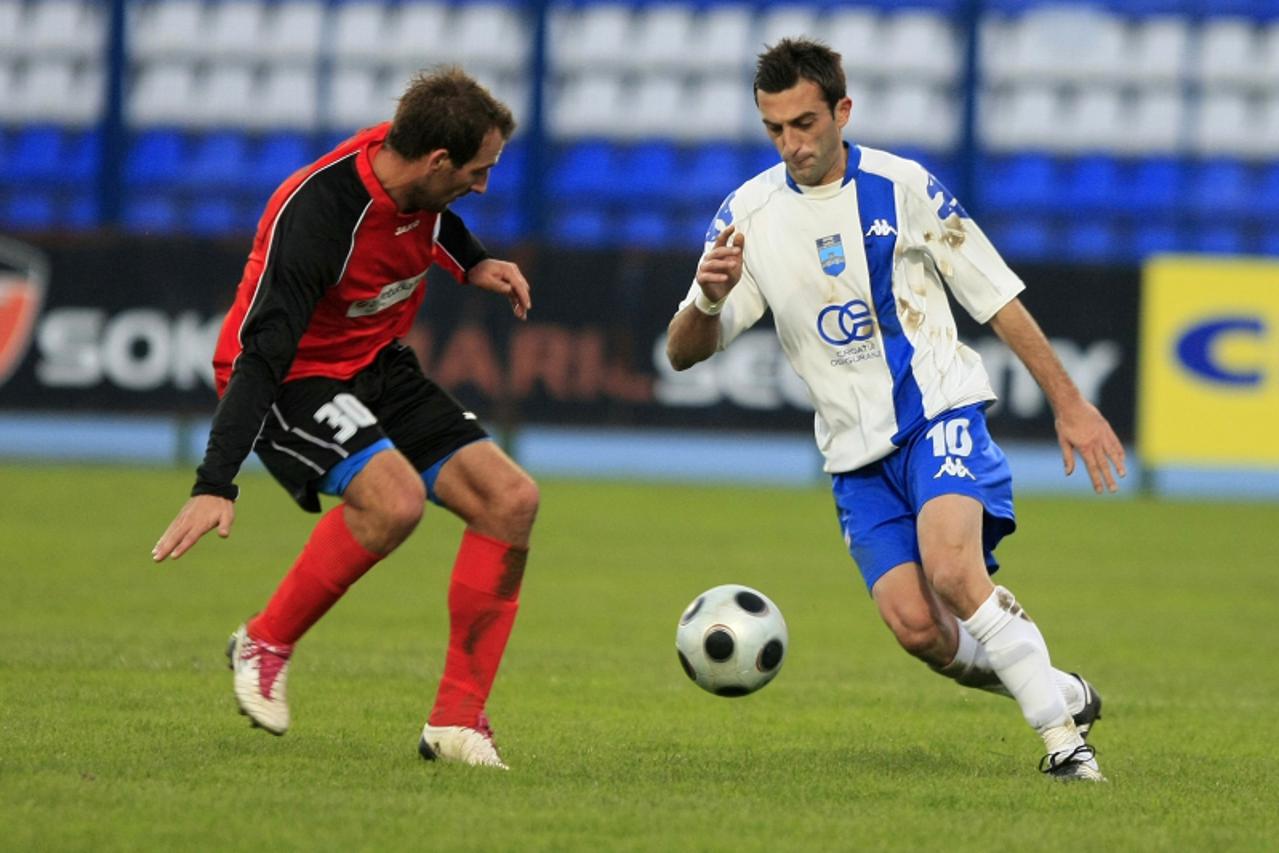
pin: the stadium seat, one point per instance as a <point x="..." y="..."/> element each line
<point x="1224" y="124"/>
<point x="151" y="214"/>
<point x="582" y="227"/>
<point x="57" y="90"/>
<point x="226" y="95"/>
<point x="161" y="93"/>
<point x="218" y="161"/>
<point x="361" y="30"/>
<point x="12" y="23"/>
<point x="855" y="33"/>
<point x="1228" y="52"/>
<point x="711" y="172"/>
<point x="35" y="155"/>
<point x="646" y="112"/>
<point x="294" y="30"/>
<point x="1022" y="117"/>
<point x="65" y="28"/>
<point x="1266" y="201"/>
<point x="725" y="37"/>
<point x="234" y="30"/>
<point x="1158" y="50"/>
<point x="165" y="29"/>
<point x="777" y="21"/>
<point x="587" y="170"/>
<point x="1221" y="188"/>
<point x="155" y="158"/>
<point x="275" y="157"/>
<point x="1154" y="122"/>
<point x="358" y="97"/>
<point x="1215" y="238"/>
<point x="650" y="170"/>
<point x="286" y="97"/>
<point x="662" y="37"/>
<point x="80" y="212"/>
<point x="921" y="44"/>
<point x="213" y="217"/>
<point x="1020" y="183"/>
<point x="1152" y="237"/>
<point x="418" y="30"/>
<point x="1092" y="240"/>
<point x="591" y="39"/>
<point x="30" y="210"/>
<point x="586" y="105"/>
<point x="717" y="107"/>
<point x="81" y="158"/>
<point x="1095" y="185"/>
<point x="1022" y="238"/>
<point x="1157" y="186"/>
<point x="645" y="229"/>
<point x="489" y="35"/>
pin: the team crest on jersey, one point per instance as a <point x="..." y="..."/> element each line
<point x="830" y="251"/>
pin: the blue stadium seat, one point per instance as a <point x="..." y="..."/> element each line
<point x="1095" y="184"/>
<point x="1152" y="238"/>
<point x="156" y="157"/>
<point x="585" y="169"/>
<point x="1269" y="243"/>
<point x="1221" y="187"/>
<point x="581" y="226"/>
<point x="213" y="217"/>
<point x="29" y="209"/>
<point x="1092" y="240"/>
<point x="759" y="158"/>
<point x="1156" y="185"/>
<point x="1218" y="239"/>
<point x="507" y="180"/>
<point x="219" y="160"/>
<point x="275" y="157"/>
<point x="647" y="229"/>
<point x="35" y="155"/>
<point x="1024" y="238"/>
<point x="711" y="172"/>
<point x="151" y="214"/>
<point x="1019" y="183"/>
<point x="81" y="212"/>
<point x="650" y="170"/>
<point x="1266" y="200"/>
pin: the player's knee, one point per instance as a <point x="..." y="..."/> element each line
<point x="400" y="509"/>
<point x="518" y="504"/>
<point x="916" y="631"/>
<point x="951" y="577"/>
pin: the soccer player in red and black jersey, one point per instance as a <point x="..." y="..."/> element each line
<point x="313" y="377"/>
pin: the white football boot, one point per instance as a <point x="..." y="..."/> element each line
<point x="260" y="673"/>
<point x="460" y="743"/>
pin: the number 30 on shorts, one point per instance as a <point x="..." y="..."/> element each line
<point x="951" y="438"/>
<point x="346" y="415"/>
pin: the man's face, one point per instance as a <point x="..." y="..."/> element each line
<point x="805" y="132"/>
<point x="442" y="182"/>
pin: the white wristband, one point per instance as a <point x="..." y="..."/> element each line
<point x="706" y="306"/>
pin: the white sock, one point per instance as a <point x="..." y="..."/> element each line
<point x="1019" y="656"/>
<point x="971" y="668"/>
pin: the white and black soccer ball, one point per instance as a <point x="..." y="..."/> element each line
<point x="731" y="640"/>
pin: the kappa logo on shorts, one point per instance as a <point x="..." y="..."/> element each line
<point x="954" y="467"/>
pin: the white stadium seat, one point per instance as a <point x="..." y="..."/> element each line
<point x="855" y="33"/>
<point x="650" y="106"/>
<point x="586" y="104"/>
<point x="165" y="29"/>
<point x="723" y="39"/>
<point x="1159" y="49"/>
<point x="1055" y="43"/>
<point x="597" y="37"/>
<point x="1224" y="123"/>
<point x="1020" y="117"/>
<point x="779" y="22"/>
<point x="490" y="35"/>
<point x="1093" y="119"/>
<point x="226" y="95"/>
<point x="234" y="30"/>
<point x="360" y="96"/>
<point x="1269" y="56"/>
<point x="420" y="34"/>
<point x="921" y="44"/>
<point x="1155" y="123"/>
<point x="13" y="22"/>
<point x="1228" y="53"/>
<point x="51" y="90"/>
<point x="918" y="113"/>
<point x="65" y="28"/>
<point x="286" y="97"/>
<point x="161" y="93"/>
<point x="718" y="107"/>
<point x="662" y="38"/>
<point x="294" y="30"/>
<point x="361" y="31"/>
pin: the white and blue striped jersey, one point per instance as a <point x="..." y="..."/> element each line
<point x="853" y="272"/>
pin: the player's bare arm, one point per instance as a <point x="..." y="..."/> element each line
<point x="693" y="334"/>
<point x="1081" y="428"/>
<point x="198" y="516"/>
<point x="505" y="278"/>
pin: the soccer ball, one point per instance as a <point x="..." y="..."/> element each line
<point x="731" y="640"/>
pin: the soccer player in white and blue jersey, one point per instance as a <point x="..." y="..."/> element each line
<point x="853" y="250"/>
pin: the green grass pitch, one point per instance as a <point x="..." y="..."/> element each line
<point x="119" y="730"/>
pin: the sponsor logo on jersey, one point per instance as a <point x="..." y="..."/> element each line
<point x="954" y="467"/>
<point x="24" y="273"/>
<point x="830" y="251"/>
<point x="841" y="325"/>
<point x="393" y="293"/>
<point x="880" y="228"/>
<point x="404" y="229"/>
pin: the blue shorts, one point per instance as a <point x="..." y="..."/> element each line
<point x="952" y="454"/>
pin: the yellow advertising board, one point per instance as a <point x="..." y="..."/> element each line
<point x="1208" y="378"/>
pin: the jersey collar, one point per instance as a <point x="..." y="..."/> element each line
<point x="831" y="189"/>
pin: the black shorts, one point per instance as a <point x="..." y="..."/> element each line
<point x="318" y="422"/>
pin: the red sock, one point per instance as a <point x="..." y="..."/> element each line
<point x="484" y="595"/>
<point x="331" y="561"/>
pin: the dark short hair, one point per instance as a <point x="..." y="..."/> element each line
<point x="784" y="64"/>
<point x="446" y="108"/>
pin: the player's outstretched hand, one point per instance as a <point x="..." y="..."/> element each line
<point x="199" y="515"/>
<point x="505" y="278"/>
<point x="1083" y="429"/>
<point x="721" y="268"/>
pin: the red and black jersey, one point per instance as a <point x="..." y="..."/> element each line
<point x="335" y="274"/>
